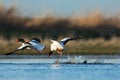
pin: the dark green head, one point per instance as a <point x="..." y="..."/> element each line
<point x="20" y="40"/>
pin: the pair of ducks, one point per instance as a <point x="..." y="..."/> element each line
<point x="36" y="44"/>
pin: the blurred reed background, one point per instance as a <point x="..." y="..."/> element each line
<point x="101" y="33"/>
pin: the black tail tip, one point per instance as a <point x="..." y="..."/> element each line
<point x="50" y="53"/>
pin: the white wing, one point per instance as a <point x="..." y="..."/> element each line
<point x="37" y="45"/>
<point x="65" y="40"/>
<point x="24" y="46"/>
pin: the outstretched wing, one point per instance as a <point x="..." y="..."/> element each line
<point x="65" y="40"/>
<point x="24" y="46"/>
<point x="36" y="45"/>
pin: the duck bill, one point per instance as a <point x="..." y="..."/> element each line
<point x="16" y="41"/>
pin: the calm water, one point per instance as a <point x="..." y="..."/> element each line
<point x="49" y="71"/>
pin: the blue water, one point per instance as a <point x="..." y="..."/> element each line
<point x="50" y="71"/>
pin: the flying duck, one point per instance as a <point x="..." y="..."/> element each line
<point x="34" y="43"/>
<point x="37" y="45"/>
<point x="59" y="46"/>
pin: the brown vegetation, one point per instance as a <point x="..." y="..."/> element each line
<point x="92" y="26"/>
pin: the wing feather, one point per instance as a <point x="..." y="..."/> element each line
<point x="65" y="40"/>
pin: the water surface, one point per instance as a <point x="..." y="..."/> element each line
<point x="50" y="71"/>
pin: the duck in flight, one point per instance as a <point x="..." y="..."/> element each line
<point x="34" y="43"/>
<point x="59" y="46"/>
<point x="37" y="45"/>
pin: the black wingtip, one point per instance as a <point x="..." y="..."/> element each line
<point x="9" y="53"/>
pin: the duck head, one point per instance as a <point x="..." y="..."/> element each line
<point x="20" y="40"/>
